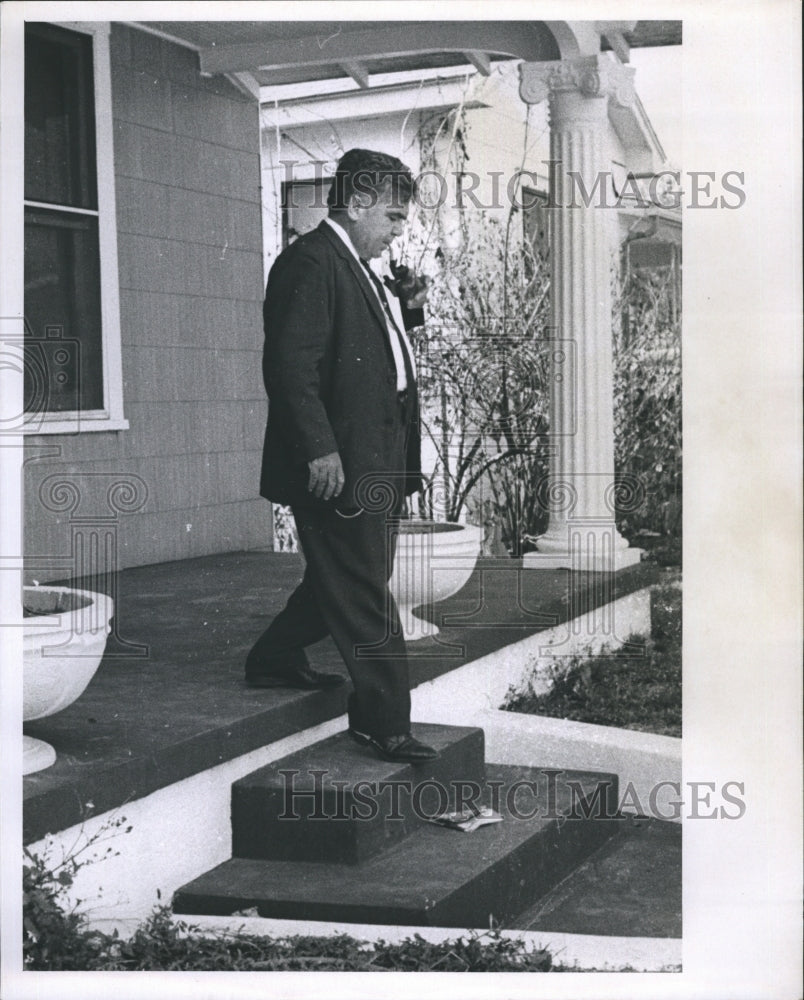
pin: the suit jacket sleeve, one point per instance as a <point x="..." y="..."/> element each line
<point x="298" y="340"/>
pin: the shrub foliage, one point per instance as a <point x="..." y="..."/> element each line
<point x="637" y="687"/>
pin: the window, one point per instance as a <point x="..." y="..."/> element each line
<point x="72" y="339"/>
<point x="304" y="205"/>
<point x="536" y="220"/>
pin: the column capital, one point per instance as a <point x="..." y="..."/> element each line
<point x="588" y="76"/>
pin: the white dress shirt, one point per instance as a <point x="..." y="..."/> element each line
<point x="396" y="330"/>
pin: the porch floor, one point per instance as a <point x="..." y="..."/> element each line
<point x="177" y="704"/>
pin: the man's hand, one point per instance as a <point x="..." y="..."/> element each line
<point x="411" y="288"/>
<point x="326" y="476"/>
<point x="415" y="295"/>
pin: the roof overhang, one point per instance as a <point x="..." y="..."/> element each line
<point x="275" y="53"/>
<point x="269" y="57"/>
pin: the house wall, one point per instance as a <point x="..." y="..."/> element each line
<point x="506" y="136"/>
<point x="187" y="171"/>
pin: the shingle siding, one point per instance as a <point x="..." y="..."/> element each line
<point x="190" y="275"/>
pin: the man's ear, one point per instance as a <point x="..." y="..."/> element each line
<point x="356" y="206"/>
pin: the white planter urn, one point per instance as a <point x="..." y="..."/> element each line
<point x="63" y="641"/>
<point x="434" y="559"/>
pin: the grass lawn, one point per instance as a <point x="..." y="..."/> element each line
<point x="612" y="689"/>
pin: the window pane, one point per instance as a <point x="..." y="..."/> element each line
<point x="536" y="220"/>
<point x="62" y="312"/>
<point x="304" y="205"/>
<point x="59" y="117"/>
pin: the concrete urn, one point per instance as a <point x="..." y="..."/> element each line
<point x="64" y="637"/>
<point x="434" y="559"/>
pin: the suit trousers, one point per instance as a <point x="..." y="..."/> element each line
<point x="344" y="593"/>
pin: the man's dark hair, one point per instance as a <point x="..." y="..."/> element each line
<point x="367" y="172"/>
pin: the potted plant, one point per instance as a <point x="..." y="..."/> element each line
<point x="434" y="559"/>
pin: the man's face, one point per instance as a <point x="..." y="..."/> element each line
<point x="376" y="221"/>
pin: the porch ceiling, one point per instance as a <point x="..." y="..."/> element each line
<point x="283" y="52"/>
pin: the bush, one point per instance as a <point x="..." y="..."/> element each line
<point x="647" y="408"/>
<point x="56" y="938"/>
<point x="640" y="692"/>
<point x="165" y="944"/>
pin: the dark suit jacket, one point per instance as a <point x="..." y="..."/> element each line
<point x="330" y="377"/>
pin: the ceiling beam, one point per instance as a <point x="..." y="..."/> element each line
<point x="619" y="45"/>
<point x="245" y="83"/>
<point x="357" y="71"/>
<point x="505" y="38"/>
<point x="164" y="35"/>
<point x="605" y="26"/>
<point x="480" y="61"/>
<point x="614" y="32"/>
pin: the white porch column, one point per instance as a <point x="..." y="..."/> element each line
<point x="580" y="489"/>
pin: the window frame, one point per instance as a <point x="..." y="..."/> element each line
<point x="110" y="417"/>
<point x="542" y="196"/>
<point x="318" y="184"/>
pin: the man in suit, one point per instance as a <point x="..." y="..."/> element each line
<point x="342" y="448"/>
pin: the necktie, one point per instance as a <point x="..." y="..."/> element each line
<point x="378" y="285"/>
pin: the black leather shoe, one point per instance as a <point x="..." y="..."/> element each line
<point x="403" y="749"/>
<point x="302" y="677"/>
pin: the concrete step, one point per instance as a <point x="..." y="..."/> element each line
<point x="630" y="887"/>
<point x="337" y="801"/>
<point x="434" y="876"/>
